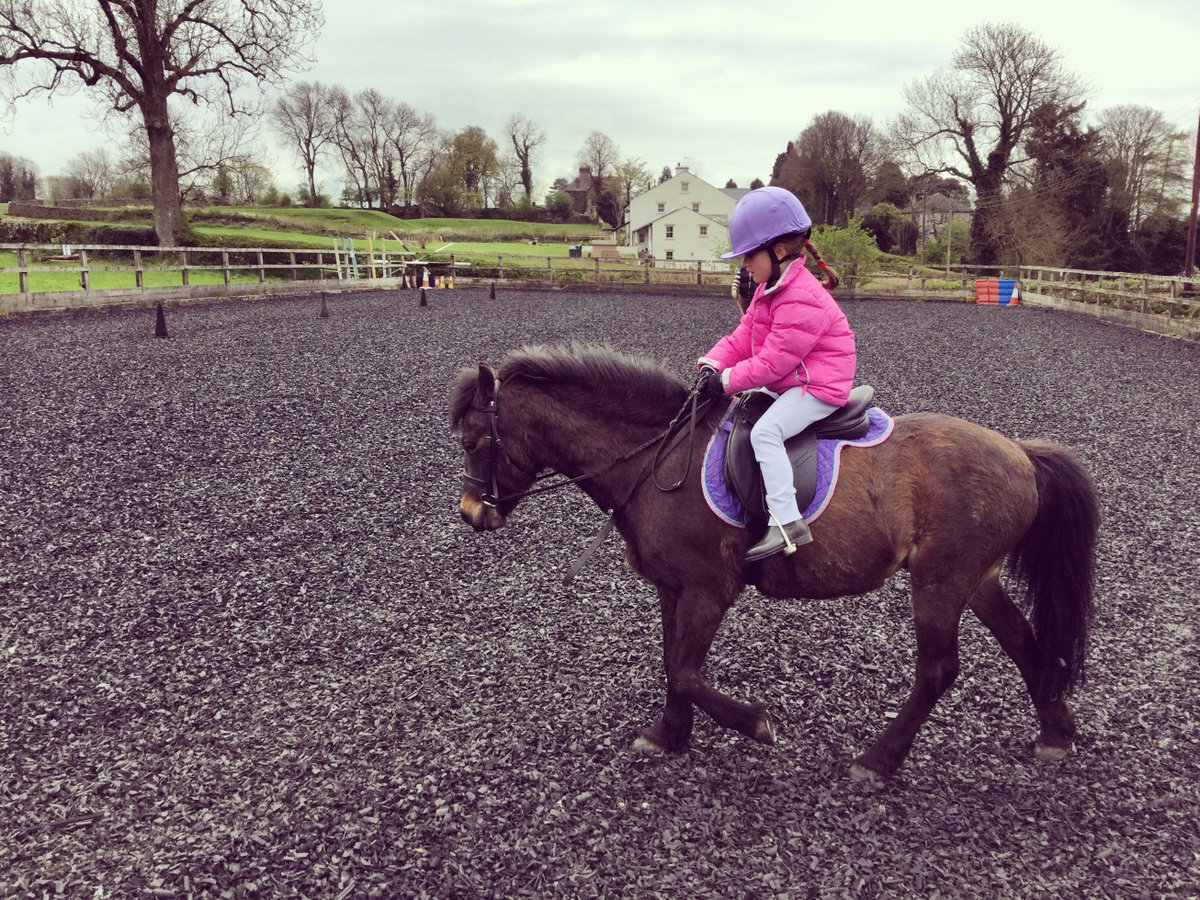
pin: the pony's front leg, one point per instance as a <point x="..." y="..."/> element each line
<point x="686" y="642"/>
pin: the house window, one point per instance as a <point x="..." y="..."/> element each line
<point x="683" y="186"/>
<point x="703" y="231"/>
<point x="662" y="207"/>
<point x="695" y="207"/>
<point x="670" y="231"/>
<point x="670" y="254"/>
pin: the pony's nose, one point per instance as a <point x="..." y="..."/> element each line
<point x="479" y="516"/>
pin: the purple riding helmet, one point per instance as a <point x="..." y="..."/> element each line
<point x="763" y="215"/>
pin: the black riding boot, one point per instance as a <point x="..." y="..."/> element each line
<point x="786" y="539"/>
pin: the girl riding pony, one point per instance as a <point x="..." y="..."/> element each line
<point x="794" y="340"/>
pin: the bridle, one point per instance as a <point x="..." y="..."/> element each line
<point x="667" y="440"/>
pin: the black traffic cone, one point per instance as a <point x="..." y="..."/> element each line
<point x="424" y="301"/>
<point x="324" y="309"/>
<point x="160" y="323"/>
<point x="492" y="292"/>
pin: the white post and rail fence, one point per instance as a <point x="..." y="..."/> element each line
<point x="50" y="278"/>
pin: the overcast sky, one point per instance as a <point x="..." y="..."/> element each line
<point x="721" y="87"/>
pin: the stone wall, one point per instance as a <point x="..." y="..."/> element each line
<point x="27" y="210"/>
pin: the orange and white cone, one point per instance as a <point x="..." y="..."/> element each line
<point x="425" y="279"/>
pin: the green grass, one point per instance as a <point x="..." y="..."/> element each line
<point x="68" y="278"/>
<point x="360" y="222"/>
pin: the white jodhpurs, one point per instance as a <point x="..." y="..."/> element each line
<point x="794" y="411"/>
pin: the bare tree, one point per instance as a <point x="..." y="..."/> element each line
<point x="526" y="137"/>
<point x="1146" y="159"/>
<point x="353" y="140"/>
<point x="304" y="117"/>
<point x="411" y="137"/>
<point x="971" y="122"/>
<point x="600" y="155"/>
<point x="137" y="54"/>
<point x="252" y="182"/>
<point x="506" y="180"/>
<point x="90" y="173"/>
<point x="204" y="145"/>
<point x="831" y="164"/>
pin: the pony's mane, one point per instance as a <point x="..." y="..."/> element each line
<point x="632" y="388"/>
<point x="629" y="387"/>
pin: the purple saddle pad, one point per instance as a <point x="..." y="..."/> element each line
<point x="726" y="505"/>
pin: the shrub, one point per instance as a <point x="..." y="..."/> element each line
<point x="849" y="250"/>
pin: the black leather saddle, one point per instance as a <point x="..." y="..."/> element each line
<point x="742" y="473"/>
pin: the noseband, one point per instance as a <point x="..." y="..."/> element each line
<point x="489" y="484"/>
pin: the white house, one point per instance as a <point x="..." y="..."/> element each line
<point x="684" y="218"/>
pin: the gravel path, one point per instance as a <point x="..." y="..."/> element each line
<point x="247" y="648"/>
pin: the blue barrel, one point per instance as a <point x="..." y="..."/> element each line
<point x="1006" y="290"/>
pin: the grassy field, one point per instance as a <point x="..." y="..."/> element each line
<point x="68" y="278"/>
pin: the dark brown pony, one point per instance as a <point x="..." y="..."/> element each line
<point x="946" y="499"/>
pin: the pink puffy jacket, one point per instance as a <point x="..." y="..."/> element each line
<point x="793" y="336"/>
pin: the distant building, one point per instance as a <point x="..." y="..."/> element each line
<point x="582" y="193"/>
<point x="930" y="214"/>
<point x="684" y="218"/>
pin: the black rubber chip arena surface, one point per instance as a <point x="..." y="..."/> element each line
<point x="248" y="649"/>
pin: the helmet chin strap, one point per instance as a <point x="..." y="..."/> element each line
<point x="776" y="264"/>
<point x="776" y="271"/>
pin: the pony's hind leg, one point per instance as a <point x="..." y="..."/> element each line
<point x="671" y="732"/>
<point x="686" y="641"/>
<point x="996" y="610"/>
<point x="936" y="611"/>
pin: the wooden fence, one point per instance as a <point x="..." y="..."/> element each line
<point x="276" y="269"/>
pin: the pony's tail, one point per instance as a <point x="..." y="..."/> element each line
<point x="1055" y="561"/>
<point x="831" y="275"/>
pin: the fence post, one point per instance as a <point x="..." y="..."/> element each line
<point x="225" y="266"/>
<point x="22" y="274"/>
<point x="647" y="263"/>
<point x="699" y="274"/>
<point x="596" y="260"/>
<point x="550" y="270"/>
<point x="452" y="267"/>
<point x="183" y="268"/>
<point x="908" y="287"/>
<point x="292" y="260"/>
<point x="137" y="269"/>
<point x="500" y="267"/>
<point x="262" y="273"/>
<point x="1145" y="293"/>
<point x="85" y="280"/>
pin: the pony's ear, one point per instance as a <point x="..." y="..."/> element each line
<point x="487" y="383"/>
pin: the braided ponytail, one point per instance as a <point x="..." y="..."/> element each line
<point x="831" y="275"/>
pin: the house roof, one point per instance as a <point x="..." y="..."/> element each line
<point x="736" y="193"/>
<point x="939" y="203"/>
<point x="583" y="181"/>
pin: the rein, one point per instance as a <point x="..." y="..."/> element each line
<point x="668" y="439"/>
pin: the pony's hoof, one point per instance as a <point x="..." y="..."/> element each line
<point x="859" y="772"/>
<point x="765" y="732"/>
<point x="647" y="747"/>
<point x="1048" y="753"/>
